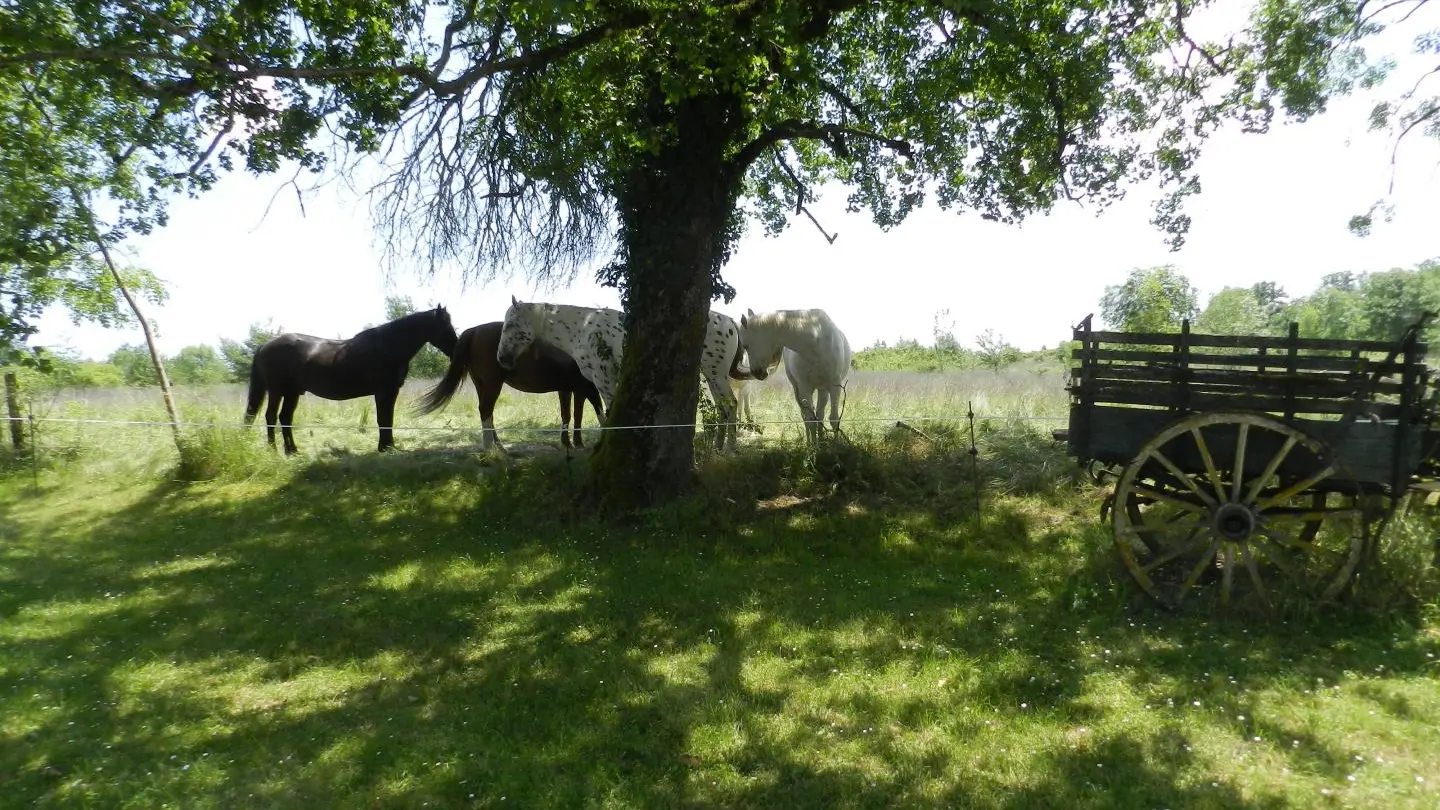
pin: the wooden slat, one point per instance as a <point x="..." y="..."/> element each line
<point x="1244" y="341"/>
<point x="1311" y="383"/>
<point x="1116" y="434"/>
<point x="1308" y="362"/>
<point x="1204" y="401"/>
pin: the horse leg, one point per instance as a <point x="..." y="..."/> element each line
<point x="287" y="421"/>
<point x="565" y="418"/>
<point x="488" y="397"/>
<point x="271" y="409"/>
<point x="835" y="393"/>
<point x="807" y="413"/>
<point x="385" y="417"/>
<point x="579" y="416"/>
<point x="822" y="399"/>
<point x="725" y="403"/>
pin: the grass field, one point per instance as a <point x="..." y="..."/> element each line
<point x="445" y="628"/>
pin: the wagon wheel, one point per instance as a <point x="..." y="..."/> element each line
<point x="1241" y="508"/>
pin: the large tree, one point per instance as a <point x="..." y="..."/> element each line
<point x="526" y="133"/>
<point x="1151" y="299"/>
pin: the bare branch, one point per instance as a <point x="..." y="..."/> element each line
<point x="209" y="150"/>
<point x="1194" y="46"/>
<point x="801" y="193"/>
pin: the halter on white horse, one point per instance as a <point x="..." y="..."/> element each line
<point x="595" y="338"/>
<point x="816" y="354"/>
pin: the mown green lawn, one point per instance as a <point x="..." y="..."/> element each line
<point x="436" y="629"/>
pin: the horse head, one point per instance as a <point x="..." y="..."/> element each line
<point x="521" y="327"/>
<point x="442" y="334"/>
<point x="762" y="351"/>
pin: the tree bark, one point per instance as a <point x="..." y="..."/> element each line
<point x="676" y="211"/>
<point x="12" y="408"/>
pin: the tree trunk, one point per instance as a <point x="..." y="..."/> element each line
<point x="155" y="356"/>
<point x="12" y="408"/>
<point x="675" y="215"/>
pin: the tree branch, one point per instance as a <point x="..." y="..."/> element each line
<point x="209" y="150"/>
<point x="832" y="134"/>
<point x="800" y="195"/>
<point x="1185" y="37"/>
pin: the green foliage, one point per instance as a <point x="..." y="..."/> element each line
<point x="197" y="365"/>
<point x="995" y="353"/>
<point x="1153" y="299"/>
<point x="1236" y="311"/>
<point x="238" y="354"/>
<point x="135" y="364"/>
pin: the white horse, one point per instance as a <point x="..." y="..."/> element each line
<point x="740" y="385"/>
<point x="816" y="354"/>
<point x="595" y="338"/>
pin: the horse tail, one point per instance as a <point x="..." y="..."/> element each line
<point x="256" y="394"/>
<point x="439" y="396"/>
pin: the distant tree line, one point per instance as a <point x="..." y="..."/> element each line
<point x="1346" y="305"/>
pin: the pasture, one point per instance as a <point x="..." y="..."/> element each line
<point x="443" y="627"/>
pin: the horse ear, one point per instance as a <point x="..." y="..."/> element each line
<point x="513" y="302"/>
<point x="750" y="312"/>
<point x="743" y="322"/>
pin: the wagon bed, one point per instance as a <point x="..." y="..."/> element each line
<point x="1253" y="444"/>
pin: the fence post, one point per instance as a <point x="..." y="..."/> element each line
<point x="34" y="449"/>
<point x="12" y="408"/>
<point x="974" y="456"/>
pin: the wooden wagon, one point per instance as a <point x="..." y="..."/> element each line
<point x="1249" y="469"/>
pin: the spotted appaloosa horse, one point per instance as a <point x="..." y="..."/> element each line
<point x="816" y="354"/>
<point x="595" y="338"/>
<point x="373" y="362"/>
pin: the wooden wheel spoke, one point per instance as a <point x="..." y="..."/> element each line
<point x="1200" y="566"/>
<point x="1209" y="460"/>
<point x="1299" y="545"/>
<point x="1308" y="515"/>
<point x="1227" y="572"/>
<point x="1295" y="488"/>
<point x="1275" y="554"/>
<point x="1183" y="548"/>
<point x="1238" y="475"/>
<point x="1254" y="573"/>
<point x="1270" y="468"/>
<point x="1172" y="525"/>
<point x="1188" y="481"/>
<point x="1165" y="497"/>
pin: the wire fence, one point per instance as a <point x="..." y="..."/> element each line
<point x="958" y="417"/>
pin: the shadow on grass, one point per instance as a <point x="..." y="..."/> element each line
<point x="443" y="627"/>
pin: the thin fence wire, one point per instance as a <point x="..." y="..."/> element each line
<point x="959" y="417"/>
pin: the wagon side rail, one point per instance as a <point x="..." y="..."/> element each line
<point x="1300" y="380"/>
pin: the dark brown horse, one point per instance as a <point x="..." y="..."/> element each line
<point x="541" y="369"/>
<point x="372" y="363"/>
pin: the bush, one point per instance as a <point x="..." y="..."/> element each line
<point x="209" y="453"/>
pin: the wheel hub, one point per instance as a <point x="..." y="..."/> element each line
<point x="1234" y="522"/>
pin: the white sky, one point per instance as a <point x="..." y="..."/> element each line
<point x="1273" y="207"/>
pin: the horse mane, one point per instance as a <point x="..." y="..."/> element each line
<point x="402" y="323"/>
